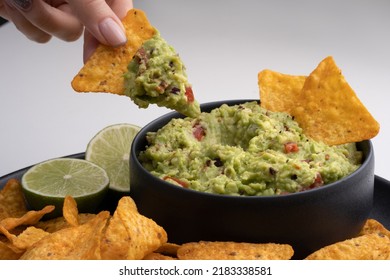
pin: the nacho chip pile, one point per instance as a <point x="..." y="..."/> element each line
<point x="74" y="236"/>
<point x="323" y="104"/>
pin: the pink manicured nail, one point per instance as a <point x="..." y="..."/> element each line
<point x="112" y="32"/>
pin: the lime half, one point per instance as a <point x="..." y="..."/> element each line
<point x="110" y="149"/>
<point x="48" y="182"/>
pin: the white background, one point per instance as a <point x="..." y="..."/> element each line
<point x="223" y="43"/>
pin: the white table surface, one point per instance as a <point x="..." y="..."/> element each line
<point x="224" y="45"/>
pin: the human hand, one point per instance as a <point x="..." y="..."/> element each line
<point x="40" y="20"/>
<point x="102" y="22"/>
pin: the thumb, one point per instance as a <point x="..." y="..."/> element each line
<point x="101" y="21"/>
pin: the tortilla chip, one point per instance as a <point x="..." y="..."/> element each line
<point x="6" y="233"/>
<point x="74" y="243"/>
<point x="115" y="241"/>
<point x="157" y="256"/>
<point x="373" y="246"/>
<point x="168" y="249"/>
<point x="207" y="250"/>
<point x="131" y="235"/>
<point x="12" y="203"/>
<point x="104" y="70"/>
<point x="8" y="239"/>
<point x="59" y="223"/>
<point x="30" y="218"/>
<point x="70" y="211"/>
<point x="328" y="109"/>
<point x="374" y="226"/>
<point x="146" y="235"/>
<point x="6" y="253"/>
<point x="27" y="238"/>
<point x="278" y="92"/>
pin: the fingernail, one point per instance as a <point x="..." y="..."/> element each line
<point x="112" y="32"/>
<point x="24" y="5"/>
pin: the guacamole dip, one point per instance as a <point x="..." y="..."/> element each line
<point x="157" y="75"/>
<point x="244" y="150"/>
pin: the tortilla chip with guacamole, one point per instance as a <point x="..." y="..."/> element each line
<point x="146" y="69"/>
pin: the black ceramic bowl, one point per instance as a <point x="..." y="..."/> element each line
<point x="306" y="220"/>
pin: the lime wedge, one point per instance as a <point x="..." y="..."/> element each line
<point x="48" y="182"/>
<point x="110" y="149"/>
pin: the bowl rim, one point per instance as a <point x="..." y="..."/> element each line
<point x="168" y="116"/>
